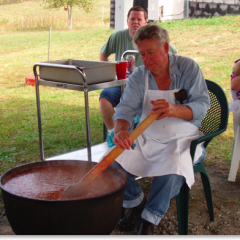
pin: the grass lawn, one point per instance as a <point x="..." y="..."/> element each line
<point x="212" y="43"/>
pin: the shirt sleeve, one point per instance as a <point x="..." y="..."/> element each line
<point x="197" y="91"/>
<point x="110" y="46"/>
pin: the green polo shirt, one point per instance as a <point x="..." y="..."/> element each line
<point x="121" y="41"/>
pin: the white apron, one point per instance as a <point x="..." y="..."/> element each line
<point x="164" y="147"/>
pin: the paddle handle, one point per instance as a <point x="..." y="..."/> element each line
<point x="110" y="157"/>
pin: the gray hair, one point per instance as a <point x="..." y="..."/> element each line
<point x="151" y="31"/>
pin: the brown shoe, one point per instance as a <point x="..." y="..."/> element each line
<point x="145" y="228"/>
<point x="132" y="218"/>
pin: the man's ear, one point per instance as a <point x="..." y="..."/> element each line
<point x="166" y="47"/>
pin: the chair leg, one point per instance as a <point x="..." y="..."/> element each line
<point x="235" y="157"/>
<point x="105" y="132"/>
<point x="208" y="194"/>
<point x="182" y="200"/>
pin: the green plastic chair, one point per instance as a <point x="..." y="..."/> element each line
<point x="213" y="124"/>
<point x="105" y="132"/>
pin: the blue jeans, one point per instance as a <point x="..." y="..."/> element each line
<point x="162" y="190"/>
<point x="112" y="94"/>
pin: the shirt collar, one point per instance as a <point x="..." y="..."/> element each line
<point x="173" y="67"/>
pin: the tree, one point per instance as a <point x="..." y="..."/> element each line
<point x="68" y="4"/>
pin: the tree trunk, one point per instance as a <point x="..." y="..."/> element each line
<point x="69" y="17"/>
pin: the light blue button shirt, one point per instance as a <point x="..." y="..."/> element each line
<point x="184" y="72"/>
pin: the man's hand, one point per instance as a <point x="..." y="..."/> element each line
<point x="162" y="106"/>
<point x="170" y="110"/>
<point x="123" y="140"/>
<point x="121" y="136"/>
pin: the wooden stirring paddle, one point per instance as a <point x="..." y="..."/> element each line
<point x="78" y="189"/>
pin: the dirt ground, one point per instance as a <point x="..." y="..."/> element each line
<point x="226" y="201"/>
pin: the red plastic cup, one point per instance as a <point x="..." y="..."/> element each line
<point x="121" y="70"/>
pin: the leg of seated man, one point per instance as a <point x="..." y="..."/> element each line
<point x="109" y="98"/>
<point x="107" y="111"/>
<point x="163" y="189"/>
<point x="134" y="200"/>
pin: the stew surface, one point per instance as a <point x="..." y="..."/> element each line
<point x="48" y="182"/>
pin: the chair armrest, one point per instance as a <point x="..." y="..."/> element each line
<point x="206" y="139"/>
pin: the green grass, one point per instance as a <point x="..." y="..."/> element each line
<point x="213" y="43"/>
<point x="226" y="20"/>
<point x="31" y="15"/>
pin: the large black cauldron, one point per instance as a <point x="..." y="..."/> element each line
<point x="92" y="216"/>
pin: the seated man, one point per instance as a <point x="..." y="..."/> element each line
<point x="118" y="43"/>
<point x="163" y="150"/>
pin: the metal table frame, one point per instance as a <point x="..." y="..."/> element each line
<point x="77" y="87"/>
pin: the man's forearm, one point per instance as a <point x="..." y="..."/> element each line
<point x="182" y="111"/>
<point x="102" y="57"/>
<point x="121" y="125"/>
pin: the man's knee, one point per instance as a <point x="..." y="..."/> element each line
<point x="111" y="95"/>
<point x="175" y="179"/>
<point x="103" y="100"/>
<point x="170" y="181"/>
